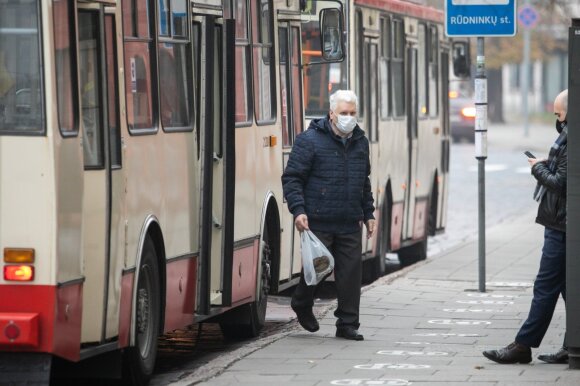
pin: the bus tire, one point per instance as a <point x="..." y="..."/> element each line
<point x="248" y="320"/>
<point x="139" y="360"/>
<point x="413" y="253"/>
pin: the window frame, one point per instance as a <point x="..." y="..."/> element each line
<point x="151" y="40"/>
<point x="256" y="42"/>
<point x="42" y="127"/>
<point x="246" y="43"/>
<point x="72" y="17"/>
<point x="423" y="46"/>
<point x="398" y="22"/>
<point x="385" y="54"/>
<point x="187" y="42"/>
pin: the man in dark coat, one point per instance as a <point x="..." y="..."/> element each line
<point x="551" y="280"/>
<point x="328" y="190"/>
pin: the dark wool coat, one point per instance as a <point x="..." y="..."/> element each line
<point x="328" y="180"/>
<point x="552" y="209"/>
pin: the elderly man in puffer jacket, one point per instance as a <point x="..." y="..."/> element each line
<point x="327" y="188"/>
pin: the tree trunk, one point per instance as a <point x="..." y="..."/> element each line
<point x="495" y="95"/>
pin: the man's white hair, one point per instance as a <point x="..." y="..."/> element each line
<point x="343" y="96"/>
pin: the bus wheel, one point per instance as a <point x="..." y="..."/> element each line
<point x="139" y="360"/>
<point x="413" y="254"/>
<point x="248" y="320"/>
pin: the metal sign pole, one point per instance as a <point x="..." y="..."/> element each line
<point x="481" y="150"/>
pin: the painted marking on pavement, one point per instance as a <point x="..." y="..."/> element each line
<point x="367" y="381"/>
<point x="484" y="302"/>
<point x="509" y="284"/>
<point x="448" y="334"/>
<point x="491" y="296"/>
<point x="461" y="310"/>
<point x="523" y="170"/>
<point x="459" y="322"/>
<point x="413" y="343"/>
<point x="413" y="353"/>
<point x="396" y="366"/>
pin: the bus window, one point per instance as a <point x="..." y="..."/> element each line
<point x="398" y="68"/>
<point x="64" y="53"/>
<point x="263" y="61"/>
<point x="422" y="73"/>
<point x="175" y="86"/>
<point x="433" y="72"/>
<point x="138" y="73"/>
<point x="196" y="37"/>
<point x="21" y="106"/>
<point x="384" y="68"/>
<point x="243" y="97"/>
<point x="91" y="108"/>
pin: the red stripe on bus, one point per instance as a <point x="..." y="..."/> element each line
<point x="59" y="312"/>
<point x="405" y="8"/>
<point x="181" y="293"/>
<point x="125" y="310"/>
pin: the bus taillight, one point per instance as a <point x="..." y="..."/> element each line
<point x="12" y="332"/>
<point x="18" y="272"/>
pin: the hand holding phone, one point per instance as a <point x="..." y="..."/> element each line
<point x="529" y="155"/>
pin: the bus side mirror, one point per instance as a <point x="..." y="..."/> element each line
<point x="331" y="36"/>
<point x="461" y="60"/>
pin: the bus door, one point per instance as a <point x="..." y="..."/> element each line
<point x="412" y="138"/>
<point x="445" y="139"/>
<point x="370" y="108"/>
<point x="214" y="53"/>
<point x="103" y="229"/>
<point x="292" y="125"/>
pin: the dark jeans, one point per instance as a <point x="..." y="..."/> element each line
<point x="346" y="250"/>
<point x="549" y="284"/>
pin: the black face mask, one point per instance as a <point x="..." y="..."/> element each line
<point x="560" y="125"/>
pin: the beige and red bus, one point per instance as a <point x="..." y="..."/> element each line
<point x="141" y="148"/>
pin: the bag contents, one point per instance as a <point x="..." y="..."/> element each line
<point x="317" y="261"/>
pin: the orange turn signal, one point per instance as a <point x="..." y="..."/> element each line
<point x="19" y="255"/>
<point x="18" y="272"/>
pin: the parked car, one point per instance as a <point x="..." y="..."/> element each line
<point x="461" y="116"/>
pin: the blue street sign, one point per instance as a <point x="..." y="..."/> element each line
<point x="527" y="16"/>
<point x="480" y="17"/>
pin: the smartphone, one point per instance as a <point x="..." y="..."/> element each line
<point x="529" y="155"/>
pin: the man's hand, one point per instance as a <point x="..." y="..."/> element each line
<point x="370" y="224"/>
<point x="301" y="222"/>
<point x="533" y="161"/>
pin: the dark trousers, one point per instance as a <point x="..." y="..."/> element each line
<point x="346" y="250"/>
<point x="549" y="284"/>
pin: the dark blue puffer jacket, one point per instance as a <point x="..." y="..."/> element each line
<point x="328" y="180"/>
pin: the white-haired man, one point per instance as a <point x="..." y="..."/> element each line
<point x="327" y="188"/>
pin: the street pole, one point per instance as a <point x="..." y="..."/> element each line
<point x="481" y="150"/>
<point x="526" y="80"/>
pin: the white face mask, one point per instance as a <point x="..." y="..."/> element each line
<point x="345" y="123"/>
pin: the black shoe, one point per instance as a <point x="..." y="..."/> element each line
<point x="349" y="333"/>
<point x="561" y="356"/>
<point x="513" y="353"/>
<point x="306" y="319"/>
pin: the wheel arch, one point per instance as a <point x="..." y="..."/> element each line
<point x="152" y="229"/>
<point x="270" y="218"/>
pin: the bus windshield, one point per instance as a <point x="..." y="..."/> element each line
<point x="20" y="79"/>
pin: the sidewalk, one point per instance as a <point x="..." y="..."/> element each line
<point x="425" y="325"/>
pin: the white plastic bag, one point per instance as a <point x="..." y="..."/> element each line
<point x="317" y="262"/>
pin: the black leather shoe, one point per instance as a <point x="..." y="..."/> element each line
<point x="349" y="333"/>
<point x="561" y="356"/>
<point x="513" y="353"/>
<point x="306" y="319"/>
